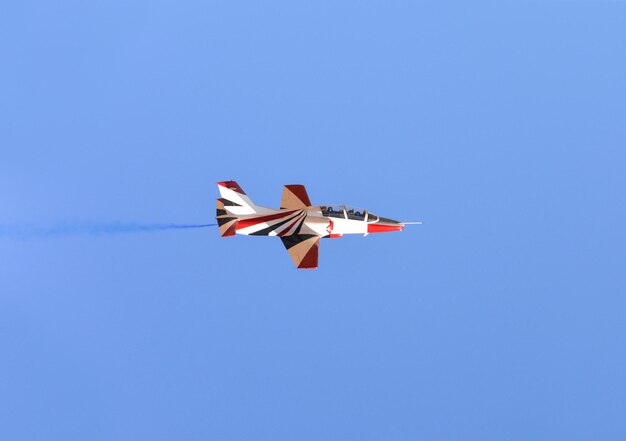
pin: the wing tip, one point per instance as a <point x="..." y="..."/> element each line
<point x="295" y="196"/>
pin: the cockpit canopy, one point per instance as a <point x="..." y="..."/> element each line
<point x="348" y="212"/>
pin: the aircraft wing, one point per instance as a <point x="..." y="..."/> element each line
<point x="303" y="249"/>
<point x="295" y="197"/>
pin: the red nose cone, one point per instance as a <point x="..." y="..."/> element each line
<point x="381" y="228"/>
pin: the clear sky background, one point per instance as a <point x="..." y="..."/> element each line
<point x="503" y="127"/>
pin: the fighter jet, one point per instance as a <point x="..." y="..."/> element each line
<point x="297" y="223"/>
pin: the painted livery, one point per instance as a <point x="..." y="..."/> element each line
<point x="299" y="224"/>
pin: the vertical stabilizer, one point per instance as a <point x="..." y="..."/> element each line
<point x="235" y="200"/>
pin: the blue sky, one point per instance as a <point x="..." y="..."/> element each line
<point x="501" y="126"/>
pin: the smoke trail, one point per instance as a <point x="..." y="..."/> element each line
<point x="89" y="229"/>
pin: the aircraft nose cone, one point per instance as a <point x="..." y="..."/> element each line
<point x="385" y="225"/>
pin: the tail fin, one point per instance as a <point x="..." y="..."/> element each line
<point x="235" y="200"/>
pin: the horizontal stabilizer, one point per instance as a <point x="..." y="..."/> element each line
<point x="226" y="221"/>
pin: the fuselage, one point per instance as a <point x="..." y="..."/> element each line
<point x="323" y="221"/>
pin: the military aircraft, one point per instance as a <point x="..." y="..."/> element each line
<point x="299" y="224"/>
